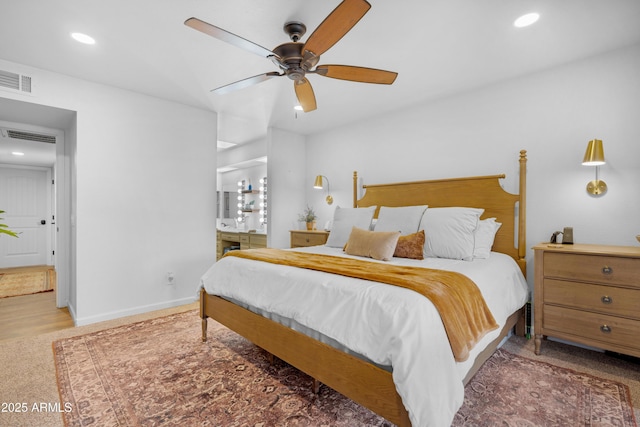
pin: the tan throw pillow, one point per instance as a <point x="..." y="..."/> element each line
<point x="410" y="246"/>
<point x="377" y="245"/>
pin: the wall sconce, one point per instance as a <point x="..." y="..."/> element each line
<point x="594" y="156"/>
<point x="318" y="184"/>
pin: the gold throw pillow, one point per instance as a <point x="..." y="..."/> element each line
<point x="378" y="245"/>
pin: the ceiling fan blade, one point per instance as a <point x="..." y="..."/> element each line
<point x="305" y="95"/>
<point x="357" y="74"/>
<point x="228" y="37"/>
<point x="336" y="25"/>
<point x="241" y="84"/>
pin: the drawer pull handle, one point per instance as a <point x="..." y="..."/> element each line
<point x="307" y="240"/>
<point x="607" y="270"/>
<point x="606" y="299"/>
<point x="606" y="329"/>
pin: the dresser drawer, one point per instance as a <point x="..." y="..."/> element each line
<point x="593" y="268"/>
<point x="604" y="299"/>
<point x="230" y="237"/>
<point x="258" y="240"/>
<point x="593" y="326"/>
<point x="307" y="239"/>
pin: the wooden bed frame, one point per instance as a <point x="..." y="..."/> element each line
<point x="363" y="382"/>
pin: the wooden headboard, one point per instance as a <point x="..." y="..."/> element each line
<point x="475" y="192"/>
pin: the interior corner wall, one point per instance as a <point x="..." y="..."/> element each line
<point x="552" y="114"/>
<point x="285" y="168"/>
<point x="143" y="195"/>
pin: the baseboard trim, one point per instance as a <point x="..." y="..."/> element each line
<point x="132" y="311"/>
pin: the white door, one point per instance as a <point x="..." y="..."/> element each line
<point x="24" y="198"/>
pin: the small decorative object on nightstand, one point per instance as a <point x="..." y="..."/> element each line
<point x="303" y="238"/>
<point x="309" y="217"/>
<point x="588" y="294"/>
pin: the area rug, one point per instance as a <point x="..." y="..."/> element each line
<point x="24" y="283"/>
<point x="158" y="372"/>
<point x="511" y="390"/>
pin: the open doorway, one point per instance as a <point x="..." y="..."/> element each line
<point x="41" y="176"/>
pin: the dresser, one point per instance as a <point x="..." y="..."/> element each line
<point x="588" y="294"/>
<point x="303" y="238"/>
<point x="227" y="240"/>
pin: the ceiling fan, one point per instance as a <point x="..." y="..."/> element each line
<point x="296" y="59"/>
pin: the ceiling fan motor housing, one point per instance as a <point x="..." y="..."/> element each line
<point x="290" y="58"/>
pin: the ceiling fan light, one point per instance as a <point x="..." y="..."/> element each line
<point x="526" y="20"/>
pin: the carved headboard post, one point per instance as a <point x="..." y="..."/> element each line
<point x="355" y="189"/>
<point x="522" y="217"/>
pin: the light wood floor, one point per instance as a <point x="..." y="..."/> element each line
<point x="29" y="315"/>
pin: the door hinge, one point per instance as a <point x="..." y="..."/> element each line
<point x="53" y="252"/>
<point x="53" y="182"/>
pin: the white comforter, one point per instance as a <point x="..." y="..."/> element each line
<point x="387" y="324"/>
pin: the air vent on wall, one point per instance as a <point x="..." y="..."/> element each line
<point x="14" y="81"/>
<point x="29" y="136"/>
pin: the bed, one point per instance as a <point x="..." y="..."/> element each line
<point x="341" y="363"/>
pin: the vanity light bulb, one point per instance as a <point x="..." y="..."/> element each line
<point x="262" y="196"/>
<point x="239" y="205"/>
<point x="239" y="212"/>
<point x="239" y="197"/>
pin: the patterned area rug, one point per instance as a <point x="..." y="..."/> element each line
<point x="158" y="372"/>
<point x="510" y="390"/>
<point x="24" y="283"/>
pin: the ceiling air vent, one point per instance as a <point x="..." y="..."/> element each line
<point x="30" y="136"/>
<point x="14" y="81"/>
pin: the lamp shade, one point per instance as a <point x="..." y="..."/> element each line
<point x="595" y="154"/>
<point x="318" y="182"/>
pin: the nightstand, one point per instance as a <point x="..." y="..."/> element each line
<point x="303" y="238"/>
<point x="588" y="294"/>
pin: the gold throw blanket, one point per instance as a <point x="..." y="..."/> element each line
<point x="462" y="308"/>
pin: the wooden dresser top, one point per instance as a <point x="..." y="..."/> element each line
<point x="583" y="248"/>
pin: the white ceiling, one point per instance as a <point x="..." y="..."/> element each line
<point x="438" y="47"/>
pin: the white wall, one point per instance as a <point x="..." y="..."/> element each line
<point x="143" y="200"/>
<point x="286" y="172"/>
<point x="552" y="114"/>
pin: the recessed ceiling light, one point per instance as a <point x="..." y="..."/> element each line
<point x="17" y="153"/>
<point x="83" y="38"/>
<point x="526" y="20"/>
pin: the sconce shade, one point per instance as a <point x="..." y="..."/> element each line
<point x="594" y="156"/>
<point x="319" y="184"/>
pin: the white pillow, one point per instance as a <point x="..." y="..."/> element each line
<point x="405" y="219"/>
<point x="344" y="219"/>
<point x="450" y="232"/>
<point x="485" y="235"/>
